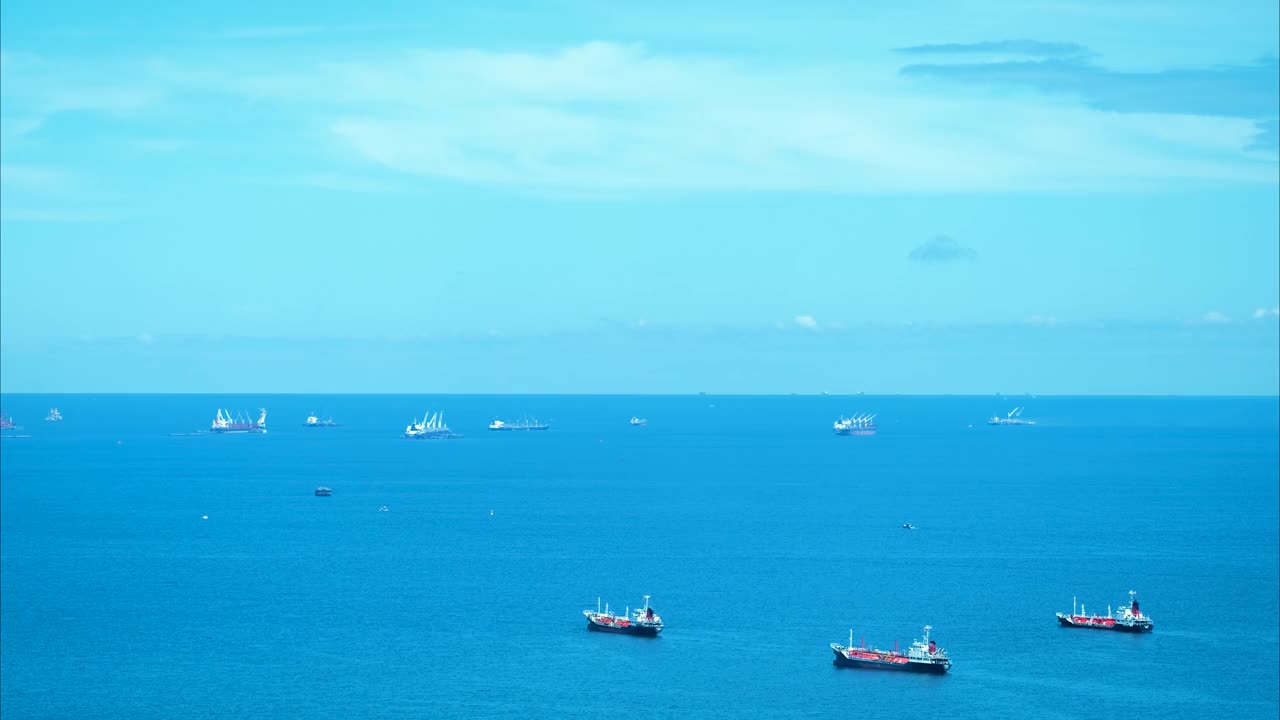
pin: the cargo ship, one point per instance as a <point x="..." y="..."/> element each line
<point x="924" y="656"/>
<point x="6" y="422"/>
<point x="224" y="424"/>
<point x="1125" y="619"/>
<point x="53" y="416"/>
<point x="432" y="428"/>
<point x="523" y="424"/>
<point x="644" y="621"/>
<point x="1014" y="417"/>
<point x="314" y="420"/>
<point x="856" y="425"/>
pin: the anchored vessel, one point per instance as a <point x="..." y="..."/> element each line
<point x="641" y="622"/>
<point x="432" y="428"/>
<point x="224" y="424"/>
<point x="637" y="421"/>
<point x="1125" y="619"/>
<point x="323" y="491"/>
<point x="923" y="656"/>
<point x="1013" y="418"/>
<point x="522" y="424"/>
<point x="856" y="425"/>
<point x="314" y="420"/>
<point x="53" y="416"/>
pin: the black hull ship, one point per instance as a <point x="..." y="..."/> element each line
<point x="1125" y="619"/>
<point x="924" y="656"/>
<point x="643" y="622"/>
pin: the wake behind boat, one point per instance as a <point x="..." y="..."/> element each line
<point x="924" y="656"/>
<point x="644" y="622"/>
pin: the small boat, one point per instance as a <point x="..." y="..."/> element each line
<point x="1013" y="418"/>
<point x="637" y="422"/>
<point x="924" y="656"/>
<point x="323" y="492"/>
<point x="1125" y="619"/>
<point x="384" y="508"/>
<point x="643" y="622"/>
<point x="314" y="420"/>
<point x="53" y="416"/>
<point x="522" y="424"/>
<point x="908" y="526"/>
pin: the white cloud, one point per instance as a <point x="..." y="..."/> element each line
<point x="1260" y="313"/>
<point x="806" y="321"/>
<point x="31" y="177"/>
<point x="1213" y="316"/>
<point x="345" y="183"/>
<point x="599" y="117"/>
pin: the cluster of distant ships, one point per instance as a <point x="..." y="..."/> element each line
<point x="921" y="656"/>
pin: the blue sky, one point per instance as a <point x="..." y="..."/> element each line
<point x="1055" y="197"/>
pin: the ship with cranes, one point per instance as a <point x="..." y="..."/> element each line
<point x="856" y="425"/>
<point x="7" y="423"/>
<point x="644" y="621"/>
<point x="1014" y="417"/>
<point x="431" y="427"/>
<point x="225" y="424"/>
<point x="924" y="656"/>
<point x="1125" y="619"/>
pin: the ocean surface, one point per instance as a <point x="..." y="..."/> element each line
<point x="761" y="536"/>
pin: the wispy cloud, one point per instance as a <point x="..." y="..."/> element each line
<point x="31" y="177"/>
<point x="270" y="32"/>
<point x="604" y="118"/>
<point x="1216" y="318"/>
<point x="345" y="183"/>
<point x="806" y="321"/>
<point x="160" y="145"/>
<point x="1263" y="312"/>
<point x="942" y="249"/>
<point x="1241" y="91"/>
<point x="1000" y="47"/>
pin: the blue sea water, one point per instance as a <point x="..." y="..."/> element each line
<point x="761" y="536"/>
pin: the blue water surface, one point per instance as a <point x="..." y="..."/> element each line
<point x="761" y="536"/>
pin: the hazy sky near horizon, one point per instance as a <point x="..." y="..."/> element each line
<point x="1056" y="197"/>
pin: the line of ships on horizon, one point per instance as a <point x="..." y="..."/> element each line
<point x="433" y="427"/>
<point x="922" y="656"/>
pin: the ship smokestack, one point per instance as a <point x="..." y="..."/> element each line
<point x="1135" y="607"/>
<point x="933" y="647"/>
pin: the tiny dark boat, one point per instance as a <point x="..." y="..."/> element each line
<point x="323" y="492"/>
<point x="643" y="622"/>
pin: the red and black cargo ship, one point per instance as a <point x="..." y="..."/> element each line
<point x="924" y="656"/>
<point x="1125" y="619"/>
<point x="640" y="622"/>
